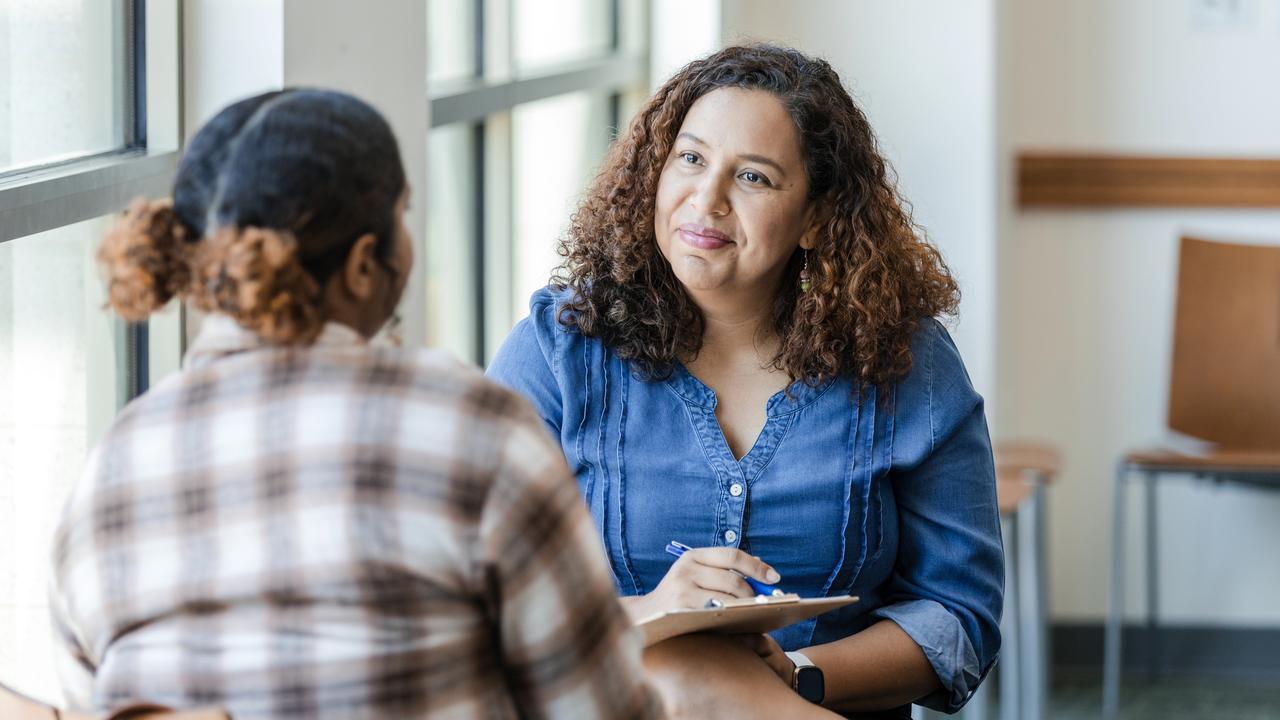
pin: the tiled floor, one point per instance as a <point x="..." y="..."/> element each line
<point x="1169" y="699"/>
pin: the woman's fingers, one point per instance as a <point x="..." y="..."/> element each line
<point x="722" y="581"/>
<point x="729" y="558"/>
<point x="707" y="574"/>
<point x="697" y="598"/>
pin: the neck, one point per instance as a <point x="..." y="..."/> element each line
<point x="736" y="324"/>
<point x="358" y="317"/>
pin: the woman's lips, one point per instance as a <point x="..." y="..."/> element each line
<point x="703" y="238"/>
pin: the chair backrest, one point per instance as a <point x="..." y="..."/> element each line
<point x="1225" y="381"/>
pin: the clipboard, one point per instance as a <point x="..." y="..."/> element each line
<point x="760" y="614"/>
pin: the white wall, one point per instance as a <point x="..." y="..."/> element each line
<point x="233" y="49"/>
<point x="924" y="72"/>
<point x="237" y="48"/>
<point x="1066" y="318"/>
<point x="1086" y="296"/>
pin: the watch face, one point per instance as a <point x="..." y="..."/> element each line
<point x="810" y="684"/>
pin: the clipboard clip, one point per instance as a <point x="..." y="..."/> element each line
<point x="779" y="598"/>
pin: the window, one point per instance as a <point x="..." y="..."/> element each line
<point x="556" y="145"/>
<point x="525" y="97"/>
<point x="88" y="119"/>
<point x="451" y="40"/>
<point x="561" y="31"/>
<point x="59" y="387"/>
<point x="63" y="92"/>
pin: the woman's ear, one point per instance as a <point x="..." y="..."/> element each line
<point x="809" y="239"/>
<point x="358" y="271"/>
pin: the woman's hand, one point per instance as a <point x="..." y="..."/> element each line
<point x="700" y="575"/>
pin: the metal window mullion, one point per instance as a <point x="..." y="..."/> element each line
<point x="137" y="348"/>
<point x="483" y="98"/>
<point x="136" y="74"/>
<point x="478" y="257"/>
<point x="82" y="191"/>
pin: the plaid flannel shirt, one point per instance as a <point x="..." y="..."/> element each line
<point x="339" y="531"/>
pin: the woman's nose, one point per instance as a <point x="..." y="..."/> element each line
<point x="710" y="197"/>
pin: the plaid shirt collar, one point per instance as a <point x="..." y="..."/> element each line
<point x="221" y="336"/>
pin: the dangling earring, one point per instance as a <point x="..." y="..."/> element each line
<point x="805" y="282"/>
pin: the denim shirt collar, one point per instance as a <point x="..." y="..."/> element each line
<point x="694" y="391"/>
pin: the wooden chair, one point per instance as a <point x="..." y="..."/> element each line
<point x="1023" y="470"/>
<point x="16" y="706"/>
<point x="1224" y="389"/>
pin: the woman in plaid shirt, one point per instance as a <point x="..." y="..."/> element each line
<point x="299" y="524"/>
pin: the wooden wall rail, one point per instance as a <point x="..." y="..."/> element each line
<point x="1076" y="180"/>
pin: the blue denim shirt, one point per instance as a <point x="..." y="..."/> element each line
<point x="892" y="498"/>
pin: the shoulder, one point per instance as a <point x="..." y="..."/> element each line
<point x="550" y="319"/>
<point x="544" y="339"/>
<point x="937" y="394"/>
<point x="935" y="358"/>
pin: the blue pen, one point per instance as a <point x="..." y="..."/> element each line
<point x="679" y="548"/>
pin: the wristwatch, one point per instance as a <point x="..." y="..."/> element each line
<point x="806" y="678"/>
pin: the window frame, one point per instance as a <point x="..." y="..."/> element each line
<point x="58" y="194"/>
<point x="486" y="100"/>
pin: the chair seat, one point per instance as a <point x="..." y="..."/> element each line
<point x="1010" y="493"/>
<point x="1015" y="460"/>
<point x="1221" y="460"/>
<point x="1015" y="457"/>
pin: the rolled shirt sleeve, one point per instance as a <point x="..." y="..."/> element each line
<point x="946" y="591"/>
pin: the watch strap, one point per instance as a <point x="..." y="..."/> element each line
<point x="806" y="678"/>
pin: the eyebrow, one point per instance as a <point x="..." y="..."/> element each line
<point x="750" y="157"/>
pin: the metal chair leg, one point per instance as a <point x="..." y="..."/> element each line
<point x="1153" y="579"/>
<point x="979" y="706"/>
<point x="1011" y="660"/>
<point x="1115" y="602"/>
<point x="1042" y="585"/>
<point x="1031" y="604"/>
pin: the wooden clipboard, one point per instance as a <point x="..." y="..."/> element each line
<point x="760" y="614"/>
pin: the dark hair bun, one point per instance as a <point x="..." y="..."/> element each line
<point x="143" y="259"/>
<point x="253" y="275"/>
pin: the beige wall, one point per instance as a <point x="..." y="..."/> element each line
<point x="1086" y="297"/>
<point x="1067" y="315"/>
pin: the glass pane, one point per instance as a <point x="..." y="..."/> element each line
<point x="59" y="370"/>
<point x="62" y="79"/>
<point x="451" y="240"/>
<point x="548" y="32"/>
<point x="557" y="145"/>
<point x="451" y="39"/>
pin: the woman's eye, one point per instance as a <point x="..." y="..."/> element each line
<point x="754" y="178"/>
<point x="689" y="158"/>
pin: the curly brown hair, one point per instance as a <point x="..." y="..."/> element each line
<point x="250" y="274"/>
<point x="874" y="275"/>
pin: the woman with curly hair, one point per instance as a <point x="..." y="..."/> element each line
<point x="740" y="353"/>
<point x="303" y="525"/>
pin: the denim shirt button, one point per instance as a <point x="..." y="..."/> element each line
<point x="730" y="536"/>
<point x="735" y="489"/>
